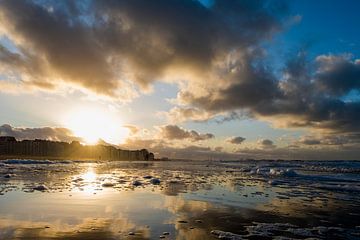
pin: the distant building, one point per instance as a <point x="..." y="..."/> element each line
<point x="9" y="146"/>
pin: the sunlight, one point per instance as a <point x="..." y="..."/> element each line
<point x="93" y="124"/>
<point x="89" y="176"/>
<point x="88" y="181"/>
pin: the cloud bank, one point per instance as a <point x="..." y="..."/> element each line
<point x="334" y="147"/>
<point x="112" y="47"/>
<point x="174" y="132"/>
<point x="48" y="133"/>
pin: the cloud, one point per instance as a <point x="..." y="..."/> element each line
<point x="234" y="115"/>
<point x="54" y="48"/>
<point x="338" y="75"/>
<point x="120" y="48"/>
<point x="328" y="153"/>
<point x="250" y="88"/>
<point x="113" y="48"/>
<point x="163" y="149"/>
<point x="174" y="132"/>
<point x="331" y="139"/>
<point x="295" y="100"/>
<point x="236" y="140"/>
<point x="266" y="144"/>
<point x="332" y="146"/>
<point x="49" y="133"/>
<point x="308" y="141"/>
<point x="307" y="105"/>
<point x="133" y="129"/>
<point x="178" y="114"/>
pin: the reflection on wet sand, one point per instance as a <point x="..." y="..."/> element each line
<point x="87" y="229"/>
<point x="124" y="201"/>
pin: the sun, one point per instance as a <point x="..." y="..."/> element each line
<point x="93" y="124"/>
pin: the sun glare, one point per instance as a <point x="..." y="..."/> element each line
<point x="94" y="124"/>
<point x="89" y="176"/>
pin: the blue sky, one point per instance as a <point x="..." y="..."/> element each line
<point x="328" y="26"/>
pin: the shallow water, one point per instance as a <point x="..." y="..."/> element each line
<point x="180" y="200"/>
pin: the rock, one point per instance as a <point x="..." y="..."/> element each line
<point x="182" y="221"/>
<point x="175" y="182"/>
<point x="161" y="236"/>
<point x="131" y="233"/>
<point x="40" y="188"/>
<point x="136" y="183"/>
<point x="273" y="182"/>
<point x="107" y="184"/>
<point x="148" y="177"/>
<point x="7" y="176"/>
<point x="166" y="233"/>
<point x="198" y="221"/>
<point x="155" y="181"/>
<point x="78" y="179"/>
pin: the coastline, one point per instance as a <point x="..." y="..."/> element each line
<point x="44" y="158"/>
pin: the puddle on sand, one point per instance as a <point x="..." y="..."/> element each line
<point x="173" y="200"/>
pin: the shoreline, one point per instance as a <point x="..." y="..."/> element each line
<point x="44" y="158"/>
<point x="25" y="157"/>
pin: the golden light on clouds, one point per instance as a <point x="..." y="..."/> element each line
<point x="93" y="124"/>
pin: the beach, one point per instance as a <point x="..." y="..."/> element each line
<point x="179" y="199"/>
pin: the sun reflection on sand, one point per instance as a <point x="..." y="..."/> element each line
<point x="87" y="182"/>
<point x="89" y="176"/>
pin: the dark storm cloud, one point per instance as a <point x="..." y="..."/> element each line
<point x="251" y="87"/>
<point x="102" y="45"/>
<point x="60" y="44"/>
<point x="49" y="133"/>
<point x="308" y="105"/>
<point x="236" y="140"/>
<point x="174" y="132"/>
<point x="338" y="75"/>
<point x="296" y="100"/>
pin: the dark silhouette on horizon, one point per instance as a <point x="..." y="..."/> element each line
<point x="9" y="146"/>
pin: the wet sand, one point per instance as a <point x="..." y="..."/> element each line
<point x="179" y="200"/>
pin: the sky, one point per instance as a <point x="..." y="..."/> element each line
<point x="192" y="79"/>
